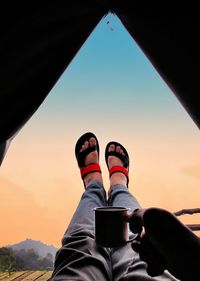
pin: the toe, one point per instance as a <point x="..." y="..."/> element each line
<point x="92" y="142"/>
<point x="118" y="149"/>
<point x="111" y="147"/>
<point x="86" y="143"/>
<point x="84" y="146"/>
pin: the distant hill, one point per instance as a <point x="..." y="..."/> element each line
<point x="39" y="247"/>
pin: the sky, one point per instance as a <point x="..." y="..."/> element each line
<point x="111" y="89"/>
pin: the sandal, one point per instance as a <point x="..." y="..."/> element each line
<point x="124" y="158"/>
<point x="80" y="156"/>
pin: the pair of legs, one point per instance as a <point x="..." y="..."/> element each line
<point x="80" y="258"/>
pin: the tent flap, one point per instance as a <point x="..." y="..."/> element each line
<point x="38" y="43"/>
<point x="169" y="38"/>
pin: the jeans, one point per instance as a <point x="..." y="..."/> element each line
<point x="81" y="259"/>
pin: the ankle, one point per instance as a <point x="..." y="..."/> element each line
<point x="91" y="177"/>
<point x="118" y="178"/>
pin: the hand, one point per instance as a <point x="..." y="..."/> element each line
<point x="165" y="243"/>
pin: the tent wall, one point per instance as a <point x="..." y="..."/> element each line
<point x="37" y="44"/>
<point x="168" y="36"/>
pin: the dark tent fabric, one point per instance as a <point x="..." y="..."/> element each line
<point x="39" y="41"/>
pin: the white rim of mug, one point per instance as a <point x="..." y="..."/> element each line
<point x="112" y="207"/>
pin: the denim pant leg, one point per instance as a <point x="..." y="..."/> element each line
<point x="80" y="258"/>
<point x="126" y="264"/>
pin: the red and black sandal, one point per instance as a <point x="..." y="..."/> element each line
<point x="123" y="157"/>
<point x="80" y="156"/>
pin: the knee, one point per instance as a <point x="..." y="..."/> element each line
<point x="81" y="237"/>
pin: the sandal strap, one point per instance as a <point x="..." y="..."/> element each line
<point x="124" y="158"/>
<point x="83" y="154"/>
<point x="121" y="169"/>
<point x="91" y="168"/>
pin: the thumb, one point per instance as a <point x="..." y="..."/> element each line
<point x="135" y="220"/>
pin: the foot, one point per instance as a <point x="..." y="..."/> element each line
<point x="87" y="154"/>
<point x="113" y="160"/>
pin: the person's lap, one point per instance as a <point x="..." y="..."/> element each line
<point x="81" y="259"/>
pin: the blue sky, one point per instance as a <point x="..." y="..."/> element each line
<point x="110" y="74"/>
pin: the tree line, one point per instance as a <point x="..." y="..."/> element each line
<point x="17" y="260"/>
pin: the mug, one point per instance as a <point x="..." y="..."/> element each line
<point x="111" y="226"/>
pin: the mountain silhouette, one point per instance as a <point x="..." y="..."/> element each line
<point x="39" y="247"/>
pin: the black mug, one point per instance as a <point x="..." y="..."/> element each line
<point x="111" y="226"/>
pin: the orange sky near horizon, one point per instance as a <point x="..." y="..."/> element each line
<point x="40" y="194"/>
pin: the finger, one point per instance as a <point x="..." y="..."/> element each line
<point x="135" y="220"/>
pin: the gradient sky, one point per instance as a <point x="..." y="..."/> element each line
<point x="111" y="89"/>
